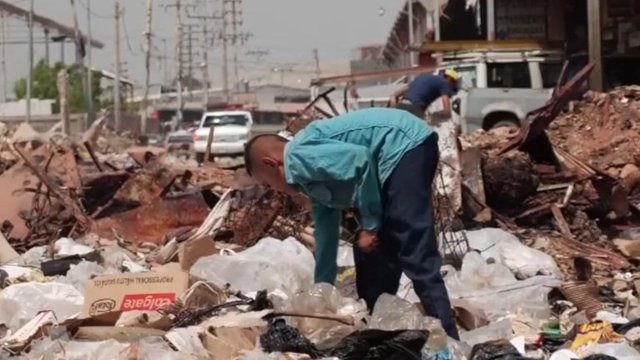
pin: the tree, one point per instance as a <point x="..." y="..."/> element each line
<point x="45" y="85"/>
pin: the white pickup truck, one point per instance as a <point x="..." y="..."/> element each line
<point x="231" y="130"/>
<point x="500" y="88"/>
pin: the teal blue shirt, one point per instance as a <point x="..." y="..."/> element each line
<point x="342" y="163"/>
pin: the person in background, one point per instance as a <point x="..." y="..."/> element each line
<point x="424" y="90"/>
<point x="380" y="162"/>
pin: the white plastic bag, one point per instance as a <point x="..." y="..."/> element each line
<point x="80" y="273"/>
<point x="67" y="247"/>
<point x="271" y="264"/>
<point x="507" y="249"/>
<point x="21" y="302"/>
<point x="621" y="351"/>
<point x="324" y="299"/>
<point x="495" y="331"/>
<point x="493" y="289"/>
<point x="47" y="349"/>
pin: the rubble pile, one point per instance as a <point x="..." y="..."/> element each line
<point x="602" y="129"/>
<point x="111" y="249"/>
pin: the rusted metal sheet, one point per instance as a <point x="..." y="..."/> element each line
<point x="538" y="120"/>
<point x="66" y="169"/>
<point x="593" y="253"/>
<point x="471" y="167"/>
<point x="143" y="154"/>
<point x="16" y="201"/>
<point x="584" y="295"/>
<point x="152" y="223"/>
<point x="146" y="185"/>
<point x="251" y="218"/>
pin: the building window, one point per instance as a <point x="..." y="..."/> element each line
<point x="509" y="75"/>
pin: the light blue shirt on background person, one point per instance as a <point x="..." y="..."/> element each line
<point x="342" y="163"/>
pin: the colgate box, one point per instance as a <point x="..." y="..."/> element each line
<point x="135" y="291"/>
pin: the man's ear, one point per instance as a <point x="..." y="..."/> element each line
<point x="269" y="161"/>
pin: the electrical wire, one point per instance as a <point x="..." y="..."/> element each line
<point x="99" y="16"/>
<point x="126" y="35"/>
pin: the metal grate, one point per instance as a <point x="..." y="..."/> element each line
<point x="452" y="241"/>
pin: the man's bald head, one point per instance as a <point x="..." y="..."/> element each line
<point x="267" y="145"/>
<point x="264" y="160"/>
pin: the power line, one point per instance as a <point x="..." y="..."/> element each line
<point x="93" y="13"/>
<point x="126" y="35"/>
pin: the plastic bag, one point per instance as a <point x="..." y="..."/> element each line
<point x="281" y="337"/>
<point x="507" y="249"/>
<point x="502" y="329"/>
<point x="380" y="345"/>
<point x="496" y="350"/>
<point x="76" y="350"/>
<point x="493" y="289"/>
<point x="621" y="351"/>
<point x="80" y="273"/>
<point x="67" y="247"/>
<point x="21" y="302"/>
<point x="271" y="264"/>
<point x="324" y="299"/>
<point x="391" y="313"/>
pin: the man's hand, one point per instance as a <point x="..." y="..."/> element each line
<point x="393" y="101"/>
<point x="368" y="240"/>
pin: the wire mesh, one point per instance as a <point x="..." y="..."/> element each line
<point x="452" y="241"/>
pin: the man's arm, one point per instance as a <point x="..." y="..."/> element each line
<point x="327" y="233"/>
<point x="335" y="161"/>
<point x="397" y="95"/>
<point x="446" y="103"/>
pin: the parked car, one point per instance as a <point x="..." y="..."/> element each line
<point x="499" y="88"/>
<point x="232" y="129"/>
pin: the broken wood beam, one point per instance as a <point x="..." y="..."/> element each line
<point x="561" y="222"/>
<point x="66" y="200"/>
<point x="87" y="145"/>
<point x="207" y="154"/>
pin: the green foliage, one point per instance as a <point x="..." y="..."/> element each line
<point x="45" y="85"/>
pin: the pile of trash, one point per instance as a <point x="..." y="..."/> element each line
<point x="110" y="249"/>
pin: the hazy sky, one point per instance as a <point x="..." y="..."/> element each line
<point x="288" y="29"/>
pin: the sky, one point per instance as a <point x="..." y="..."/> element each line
<point x="289" y="30"/>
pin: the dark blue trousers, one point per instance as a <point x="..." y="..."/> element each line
<point x="407" y="239"/>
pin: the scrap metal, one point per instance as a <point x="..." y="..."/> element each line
<point x="538" y="120"/>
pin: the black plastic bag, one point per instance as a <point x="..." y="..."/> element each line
<point x="599" y="357"/>
<point x="380" y="345"/>
<point x="281" y="337"/>
<point x="360" y="345"/>
<point x="496" y="350"/>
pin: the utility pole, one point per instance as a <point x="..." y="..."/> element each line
<point x="147" y="64"/>
<point x="116" y="82"/>
<point x="165" y="62"/>
<point x="234" y="24"/>
<point x="205" y="68"/>
<point x="411" y="33"/>
<point x="179" y="35"/>
<point x="46" y="46"/>
<point x="205" y="56"/>
<point x="79" y="42"/>
<point x="238" y="38"/>
<point x="30" y="80"/>
<point x="90" y="112"/>
<point x="3" y="64"/>
<point x="316" y="59"/>
<point x="595" y="43"/>
<point x="225" y="55"/>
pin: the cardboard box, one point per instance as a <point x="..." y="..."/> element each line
<point x="126" y="292"/>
